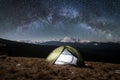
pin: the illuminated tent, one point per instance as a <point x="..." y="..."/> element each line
<point x="65" y="55"/>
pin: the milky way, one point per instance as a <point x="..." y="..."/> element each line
<point x="95" y="20"/>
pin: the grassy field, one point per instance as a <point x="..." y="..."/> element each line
<point x="26" y="68"/>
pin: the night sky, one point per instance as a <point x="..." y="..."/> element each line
<point x="94" y="20"/>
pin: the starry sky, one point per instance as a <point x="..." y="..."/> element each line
<point x="94" y="20"/>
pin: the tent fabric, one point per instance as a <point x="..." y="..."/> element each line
<point x="65" y="55"/>
<point x="75" y="53"/>
<point x="66" y="58"/>
<point x="54" y="54"/>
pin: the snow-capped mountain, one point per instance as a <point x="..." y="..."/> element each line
<point x="65" y="39"/>
<point x="69" y="39"/>
<point x="73" y="40"/>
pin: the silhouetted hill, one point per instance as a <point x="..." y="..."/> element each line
<point x="92" y="47"/>
<point x="94" y="50"/>
<point x="13" y="48"/>
<point x="105" y="52"/>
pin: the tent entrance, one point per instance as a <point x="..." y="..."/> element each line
<point x="66" y="58"/>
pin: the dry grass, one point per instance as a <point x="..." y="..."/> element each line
<point x="20" y="68"/>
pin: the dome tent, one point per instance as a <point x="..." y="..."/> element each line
<point x="65" y="55"/>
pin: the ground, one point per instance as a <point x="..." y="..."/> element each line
<point x="26" y="68"/>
